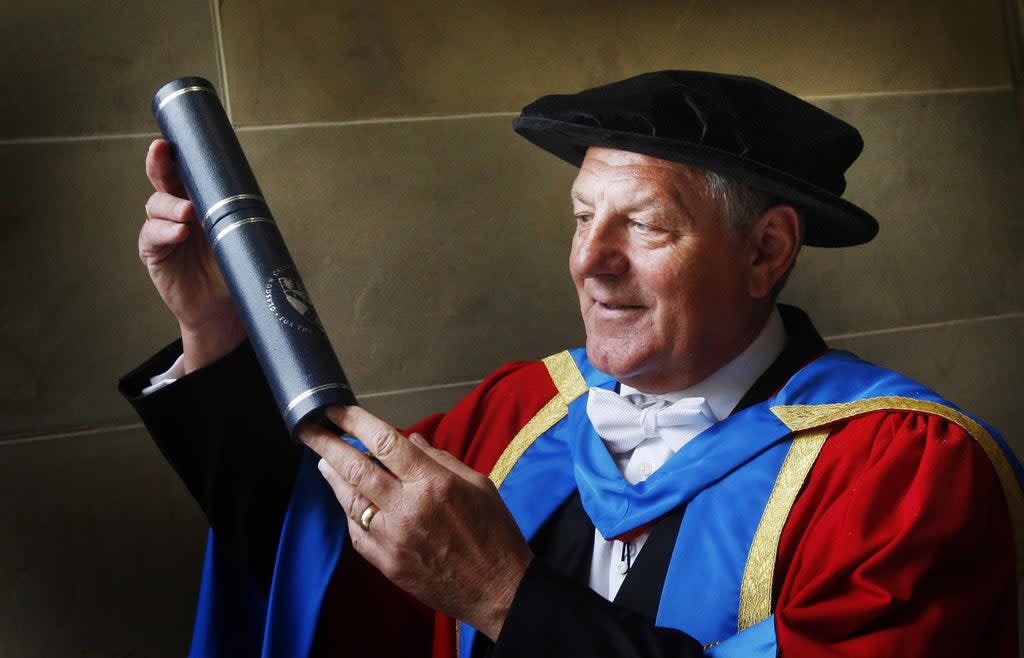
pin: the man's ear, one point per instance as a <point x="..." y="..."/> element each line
<point x="774" y="243"/>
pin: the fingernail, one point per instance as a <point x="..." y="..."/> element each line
<point x="322" y="466"/>
<point x="418" y="440"/>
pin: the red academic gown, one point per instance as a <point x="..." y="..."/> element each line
<point x="899" y="542"/>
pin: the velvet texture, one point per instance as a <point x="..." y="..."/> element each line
<point x="737" y="126"/>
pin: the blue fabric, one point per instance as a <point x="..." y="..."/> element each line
<point x="724" y="476"/>
<point x="758" y="641"/>
<point x="235" y="618"/>
<point x="230" y="613"/>
<point x="616" y="507"/>
<point x="710" y="554"/>
<point x="311" y="540"/>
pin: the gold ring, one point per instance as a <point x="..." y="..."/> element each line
<point x="367" y="516"/>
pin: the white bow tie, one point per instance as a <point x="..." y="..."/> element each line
<point x="624" y="423"/>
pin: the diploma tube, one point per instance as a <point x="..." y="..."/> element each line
<point x="291" y="344"/>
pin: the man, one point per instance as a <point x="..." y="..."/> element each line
<point x="705" y="476"/>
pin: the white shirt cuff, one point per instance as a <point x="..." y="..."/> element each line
<point x="176" y="372"/>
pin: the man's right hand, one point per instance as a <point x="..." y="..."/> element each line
<point x="173" y="246"/>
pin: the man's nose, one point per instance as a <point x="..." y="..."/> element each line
<point x="599" y="250"/>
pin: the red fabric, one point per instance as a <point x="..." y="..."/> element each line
<point x="363" y="614"/>
<point x="899" y="544"/>
<point x="483" y="423"/>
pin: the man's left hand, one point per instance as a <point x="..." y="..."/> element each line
<point x="442" y="532"/>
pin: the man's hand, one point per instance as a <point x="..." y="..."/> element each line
<point x="443" y="534"/>
<point x="174" y="249"/>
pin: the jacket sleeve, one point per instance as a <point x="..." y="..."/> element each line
<point x="900" y="545"/>
<point x="219" y="428"/>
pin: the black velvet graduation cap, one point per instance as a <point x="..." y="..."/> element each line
<point x="740" y="127"/>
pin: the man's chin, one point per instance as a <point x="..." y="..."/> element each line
<point x="615" y="356"/>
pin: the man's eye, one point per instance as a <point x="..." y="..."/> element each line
<point x="583" y="218"/>
<point x="640" y="227"/>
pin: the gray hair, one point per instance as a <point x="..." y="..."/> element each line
<point x="740" y="203"/>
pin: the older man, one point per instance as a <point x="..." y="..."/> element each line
<point x="705" y="476"/>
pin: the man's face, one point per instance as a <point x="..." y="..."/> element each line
<point x="662" y="279"/>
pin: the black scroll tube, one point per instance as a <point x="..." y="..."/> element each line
<point x="292" y="347"/>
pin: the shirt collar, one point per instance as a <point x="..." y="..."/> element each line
<point x="724" y="388"/>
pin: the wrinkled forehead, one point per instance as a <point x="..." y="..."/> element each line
<point x="611" y="173"/>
